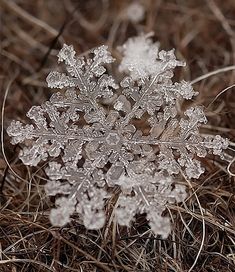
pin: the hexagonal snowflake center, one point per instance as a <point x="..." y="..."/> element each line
<point x="112" y="138"/>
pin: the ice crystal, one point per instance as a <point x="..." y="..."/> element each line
<point x="141" y="58"/>
<point x="137" y="142"/>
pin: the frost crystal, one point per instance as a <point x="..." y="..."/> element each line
<point x="141" y="58"/>
<point x="99" y="136"/>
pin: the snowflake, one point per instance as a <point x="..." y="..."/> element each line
<point x="135" y="12"/>
<point x="137" y="141"/>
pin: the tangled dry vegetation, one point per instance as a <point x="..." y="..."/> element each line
<point x="203" y="237"/>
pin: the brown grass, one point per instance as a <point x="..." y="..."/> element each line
<point x="203" y="237"/>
